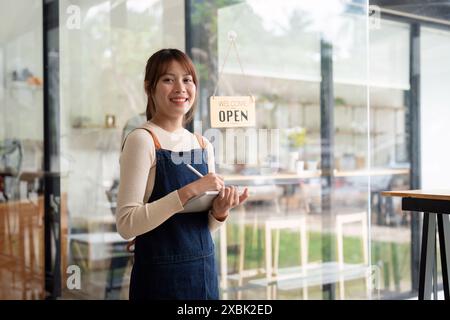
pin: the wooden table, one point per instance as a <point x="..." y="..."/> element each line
<point x="435" y="204"/>
<point x="100" y="245"/>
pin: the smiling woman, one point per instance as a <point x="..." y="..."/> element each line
<point x="174" y="250"/>
<point x="170" y="84"/>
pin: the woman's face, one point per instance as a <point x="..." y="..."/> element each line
<point x="175" y="92"/>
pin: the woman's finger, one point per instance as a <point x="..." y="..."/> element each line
<point x="226" y="193"/>
<point x="244" y="196"/>
<point x="236" y="198"/>
<point x="230" y="195"/>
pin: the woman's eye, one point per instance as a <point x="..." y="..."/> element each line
<point x="167" y="80"/>
<point x="187" y="80"/>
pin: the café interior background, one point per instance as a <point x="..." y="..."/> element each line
<point x="335" y="84"/>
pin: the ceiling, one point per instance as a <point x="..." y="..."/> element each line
<point x="437" y="9"/>
<point x="21" y="16"/>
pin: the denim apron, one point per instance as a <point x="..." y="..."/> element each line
<point x="176" y="259"/>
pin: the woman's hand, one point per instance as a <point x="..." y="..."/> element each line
<point x="227" y="199"/>
<point x="210" y="182"/>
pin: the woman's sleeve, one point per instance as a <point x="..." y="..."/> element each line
<point x="133" y="216"/>
<point x="213" y="223"/>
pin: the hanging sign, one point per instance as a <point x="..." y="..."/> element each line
<point x="232" y="111"/>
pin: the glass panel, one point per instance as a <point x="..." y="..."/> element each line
<point x="435" y="80"/>
<point x="102" y="71"/>
<point x="293" y="228"/>
<point x="350" y="181"/>
<point x="435" y="72"/>
<point x="389" y="88"/>
<point x="21" y="151"/>
<point x="402" y="119"/>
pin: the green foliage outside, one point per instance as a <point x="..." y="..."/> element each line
<point x="392" y="258"/>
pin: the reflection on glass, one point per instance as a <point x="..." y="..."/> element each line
<point x="389" y="85"/>
<point x="284" y="243"/>
<point x="21" y="152"/>
<point x="102" y="71"/>
<point x="435" y="81"/>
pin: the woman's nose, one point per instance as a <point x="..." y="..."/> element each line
<point x="180" y="87"/>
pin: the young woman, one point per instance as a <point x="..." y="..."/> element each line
<point x="174" y="252"/>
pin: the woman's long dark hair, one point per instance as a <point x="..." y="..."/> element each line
<point x="157" y="66"/>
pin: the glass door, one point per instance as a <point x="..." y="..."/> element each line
<point x="303" y="233"/>
<point x="104" y="48"/>
<point x="21" y="151"/>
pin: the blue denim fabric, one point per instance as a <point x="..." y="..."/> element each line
<point x="176" y="259"/>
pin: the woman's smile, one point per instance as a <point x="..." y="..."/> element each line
<point x="179" y="101"/>
<point x="175" y="91"/>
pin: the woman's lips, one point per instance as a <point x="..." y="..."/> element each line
<point x="179" y="101"/>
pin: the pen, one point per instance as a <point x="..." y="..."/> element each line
<point x="200" y="175"/>
<point x="194" y="170"/>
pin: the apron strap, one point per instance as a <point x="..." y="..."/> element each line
<point x="201" y="142"/>
<point x="155" y="138"/>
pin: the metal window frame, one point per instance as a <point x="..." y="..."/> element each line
<point x="52" y="191"/>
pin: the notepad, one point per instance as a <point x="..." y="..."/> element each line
<point x="202" y="202"/>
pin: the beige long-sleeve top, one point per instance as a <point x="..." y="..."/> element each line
<point x="134" y="216"/>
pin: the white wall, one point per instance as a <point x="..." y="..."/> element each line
<point x="21" y="47"/>
<point x="435" y="108"/>
<point x="21" y="103"/>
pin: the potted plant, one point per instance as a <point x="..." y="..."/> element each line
<point x="297" y="140"/>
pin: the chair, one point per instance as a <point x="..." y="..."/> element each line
<point x="342" y="220"/>
<point x="383" y="207"/>
<point x="301" y="199"/>
<point x="11" y="155"/>
<point x="120" y="257"/>
<point x="31" y="230"/>
<point x="258" y="194"/>
<point x="102" y="250"/>
<point x="272" y="263"/>
<point x="313" y="274"/>
<point x="21" y="223"/>
<point x="8" y="258"/>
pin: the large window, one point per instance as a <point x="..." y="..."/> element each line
<point x="337" y="105"/>
<point x="21" y="151"/>
<point x="435" y="74"/>
<point x="303" y="234"/>
<point x="102" y="72"/>
<point x="389" y="90"/>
